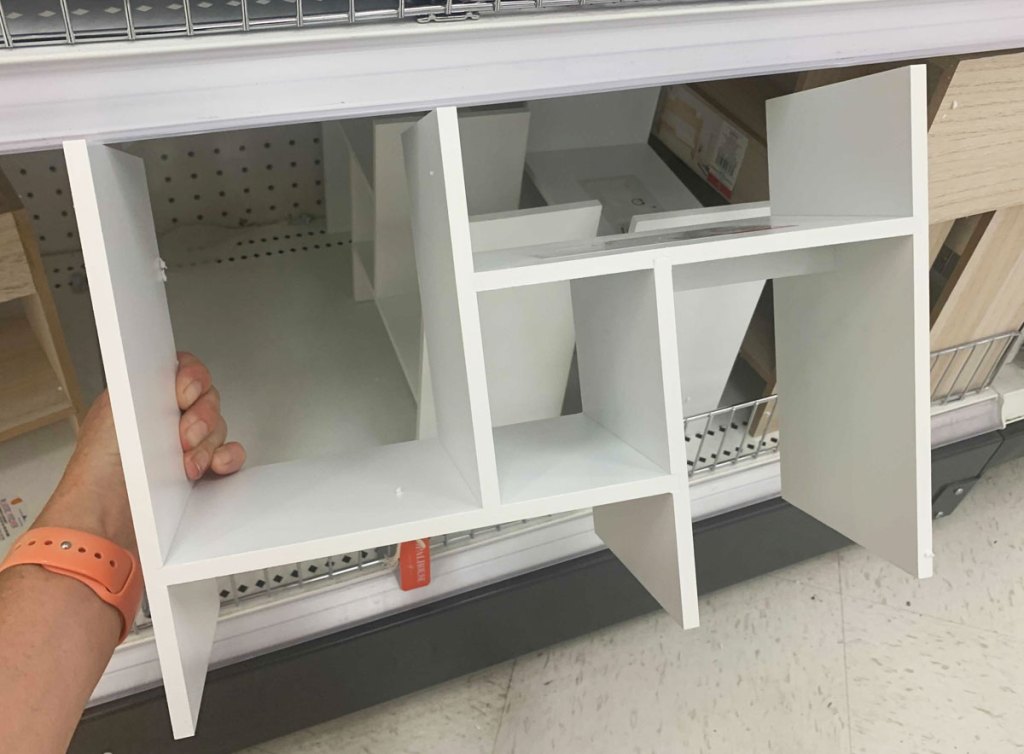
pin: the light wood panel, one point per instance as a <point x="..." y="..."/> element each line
<point x="31" y="395"/>
<point x="15" y="276"/>
<point x="937" y="235"/>
<point x="41" y="312"/>
<point x="36" y="392"/>
<point x="976" y="142"/>
<point x="988" y="295"/>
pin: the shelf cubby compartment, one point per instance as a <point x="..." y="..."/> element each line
<point x="545" y="460"/>
<point x="269" y="514"/>
<point x="624" y="453"/>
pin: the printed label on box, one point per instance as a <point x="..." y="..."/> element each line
<point x="702" y="137"/>
<point x="727" y="158"/>
<point x="12" y="518"/>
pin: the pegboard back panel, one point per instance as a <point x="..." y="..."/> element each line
<point x="230" y="179"/>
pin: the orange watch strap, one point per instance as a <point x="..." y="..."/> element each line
<point x="111" y="571"/>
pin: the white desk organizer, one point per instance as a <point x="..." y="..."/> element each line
<point x="847" y="246"/>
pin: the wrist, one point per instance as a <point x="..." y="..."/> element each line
<point x="82" y="509"/>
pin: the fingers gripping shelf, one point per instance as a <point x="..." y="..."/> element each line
<point x="847" y="244"/>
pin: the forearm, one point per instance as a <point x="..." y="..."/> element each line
<point x="56" y="634"/>
<point x="56" y="638"/>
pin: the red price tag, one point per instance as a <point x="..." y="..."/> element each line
<point x="414" y="564"/>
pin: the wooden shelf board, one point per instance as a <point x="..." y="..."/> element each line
<point x="557" y="458"/>
<point x="288" y="512"/>
<point x="507" y="268"/>
<point x="30" y="392"/>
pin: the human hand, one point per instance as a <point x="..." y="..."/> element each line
<point x="92" y="496"/>
<point x="202" y="429"/>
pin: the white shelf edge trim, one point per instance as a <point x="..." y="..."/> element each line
<point x="152" y="88"/>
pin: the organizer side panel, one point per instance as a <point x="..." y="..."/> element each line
<point x="853" y="148"/>
<point x="619" y="332"/>
<point x="653" y="538"/>
<point x="337" y="181"/>
<point x="440" y="221"/>
<point x="710" y="322"/>
<point x="528" y="332"/>
<point x="185" y="619"/>
<point x="363" y="255"/>
<point x="134" y="328"/>
<point x="852" y="355"/>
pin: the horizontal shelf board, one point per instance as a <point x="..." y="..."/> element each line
<point x="287" y="512"/>
<point x="571" y="462"/>
<point x="508" y="268"/>
<point x="30" y="393"/>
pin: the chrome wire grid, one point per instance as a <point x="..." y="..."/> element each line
<point x="964" y="370"/>
<point x="749" y="430"/>
<point x="26" y="23"/>
<point x="729" y="435"/>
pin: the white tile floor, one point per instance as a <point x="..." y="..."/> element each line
<point x="840" y="654"/>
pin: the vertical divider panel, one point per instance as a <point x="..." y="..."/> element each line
<point x="622" y="331"/>
<point x="852" y="344"/>
<point x="711" y="321"/>
<point x="363" y="252"/>
<point x="527" y="331"/>
<point x="115" y="223"/>
<point x="133" y="323"/>
<point x="185" y="621"/>
<point x="337" y="153"/>
<point x="653" y="537"/>
<point x="853" y="148"/>
<point x="451" y="318"/>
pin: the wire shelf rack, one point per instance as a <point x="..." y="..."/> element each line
<point x="727" y="436"/>
<point x="29" y="23"/>
<point x="967" y="369"/>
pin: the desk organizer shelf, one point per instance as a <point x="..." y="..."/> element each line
<point x="849" y="255"/>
